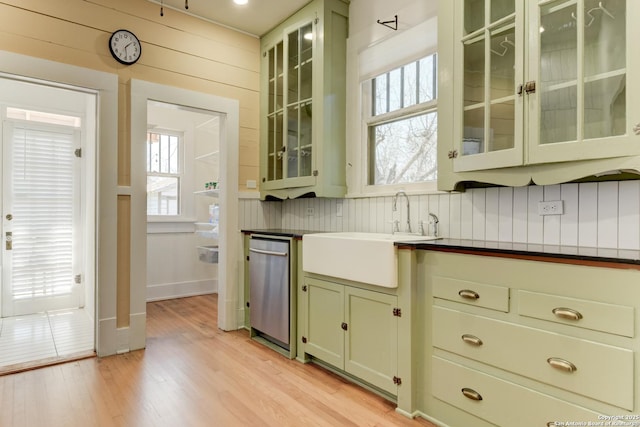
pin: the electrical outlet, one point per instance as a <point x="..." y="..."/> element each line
<point x="552" y="207"/>
<point x="309" y="211"/>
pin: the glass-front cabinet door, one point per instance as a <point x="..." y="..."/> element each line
<point x="299" y="102"/>
<point x="303" y="103"/>
<point x="544" y="81"/>
<point x="586" y="75"/>
<point x="491" y="53"/>
<point x="290" y="105"/>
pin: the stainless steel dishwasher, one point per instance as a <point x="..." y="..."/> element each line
<point x="269" y="289"/>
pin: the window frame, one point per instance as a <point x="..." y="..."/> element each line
<point x="376" y="59"/>
<point x="185" y="210"/>
<point x="401" y="113"/>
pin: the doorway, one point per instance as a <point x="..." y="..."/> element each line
<point x="47" y="281"/>
<point x="230" y="311"/>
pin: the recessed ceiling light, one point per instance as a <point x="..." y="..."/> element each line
<point x="241" y="2"/>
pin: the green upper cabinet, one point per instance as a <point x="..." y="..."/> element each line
<point x="302" y="105"/>
<point x="536" y="90"/>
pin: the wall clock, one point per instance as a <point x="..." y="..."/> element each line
<point x="125" y="47"/>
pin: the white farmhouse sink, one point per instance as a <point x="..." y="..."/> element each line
<point x="362" y="257"/>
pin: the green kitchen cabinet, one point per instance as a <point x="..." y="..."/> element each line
<point x="303" y="105"/>
<point x="354" y="330"/>
<point x="536" y="91"/>
<point x="526" y="342"/>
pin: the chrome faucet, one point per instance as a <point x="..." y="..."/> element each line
<point x="434" y="221"/>
<point x="395" y="208"/>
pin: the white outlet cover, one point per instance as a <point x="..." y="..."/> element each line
<point x="551" y="207"/>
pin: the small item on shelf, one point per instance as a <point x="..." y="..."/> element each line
<point x="214" y="213"/>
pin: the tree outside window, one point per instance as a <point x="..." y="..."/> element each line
<point x="402" y="128"/>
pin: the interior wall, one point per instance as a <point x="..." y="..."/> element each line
<point x="177" y="50"/>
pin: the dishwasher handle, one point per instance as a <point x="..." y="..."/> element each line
<point x="263" y="252"/>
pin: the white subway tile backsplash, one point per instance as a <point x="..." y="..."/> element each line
<point x="444" y="206"/>
<point x="492" y="214"/>
<point x="551" y="223"/>
<point x="598" y="215"/>
<point x="520" y="214"/>
<point x="505" y="214"/>
<point x="535" y="223"/>
<point x="455" y="206"/>
<point x="588" y="215"/>
<point x="629" y="215"/>
<point x="466" y="215"/>
<point x="569" y="221"/>
<point x="608" y="214"/>
<point x="479" y="209"/>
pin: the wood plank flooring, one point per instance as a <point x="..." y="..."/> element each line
<point x="190" y="374"/>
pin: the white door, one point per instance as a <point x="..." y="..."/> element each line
<point x="40" y="215"/>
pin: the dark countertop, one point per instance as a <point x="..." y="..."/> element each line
<point x="282" y="232"/>
<point x="584" y="254"/>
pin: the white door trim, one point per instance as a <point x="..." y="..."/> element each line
<point x="141" y="92"/>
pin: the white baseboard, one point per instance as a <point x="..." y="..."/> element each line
<point x="182" y="289"/>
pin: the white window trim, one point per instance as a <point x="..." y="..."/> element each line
<point x="375" y="60"/>
<point x="185" y="222"/>
<point x="182" y="178"/>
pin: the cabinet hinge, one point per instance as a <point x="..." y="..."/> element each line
<point x="452" y="154"/>
<point x="397" y="312"/>
<point x="77" y="278"/>
<point x="397" y="380"/>
<point x="248" y="304"/>
<point x="304" y="288"/>
<point x="248" y="258"/>
<point x="316" y="20"/>
<point x="344" y="326"/>
<point x="304" y="340"/>
<point x="78" y="152"/>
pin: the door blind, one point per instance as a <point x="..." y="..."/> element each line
<point x="43" y="187"/>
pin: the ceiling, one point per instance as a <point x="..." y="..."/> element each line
<point x="256" y="18"/>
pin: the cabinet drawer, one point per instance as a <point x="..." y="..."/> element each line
<point x="503" y="403"/>
<point x="595" y="370"/>
<point x="615" y="319"/>
<point x="472" y="293"/>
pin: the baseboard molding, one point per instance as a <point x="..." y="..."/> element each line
<point x="181" y="289"/>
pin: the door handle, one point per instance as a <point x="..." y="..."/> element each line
<point x="263" y="252"/>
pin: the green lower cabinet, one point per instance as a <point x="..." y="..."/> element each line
<point x="325" y="314"/>
<point x="355" y="330"/>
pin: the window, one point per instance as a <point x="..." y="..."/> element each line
<point x="164" y="173"/>
<point x="402" y="124"/>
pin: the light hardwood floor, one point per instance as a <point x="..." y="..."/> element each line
<point x="190" y="374"/>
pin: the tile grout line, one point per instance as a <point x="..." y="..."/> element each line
<point x="53" y="337"/>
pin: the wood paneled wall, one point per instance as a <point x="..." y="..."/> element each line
<point x="177" y="50"/>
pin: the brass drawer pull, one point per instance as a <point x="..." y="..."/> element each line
<point x="468" y="294"/>
<point x="472" y="339"/>
<point x="561" y="364"/>
<point x="567" y="313"/>
<point x="470" y="393"/>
